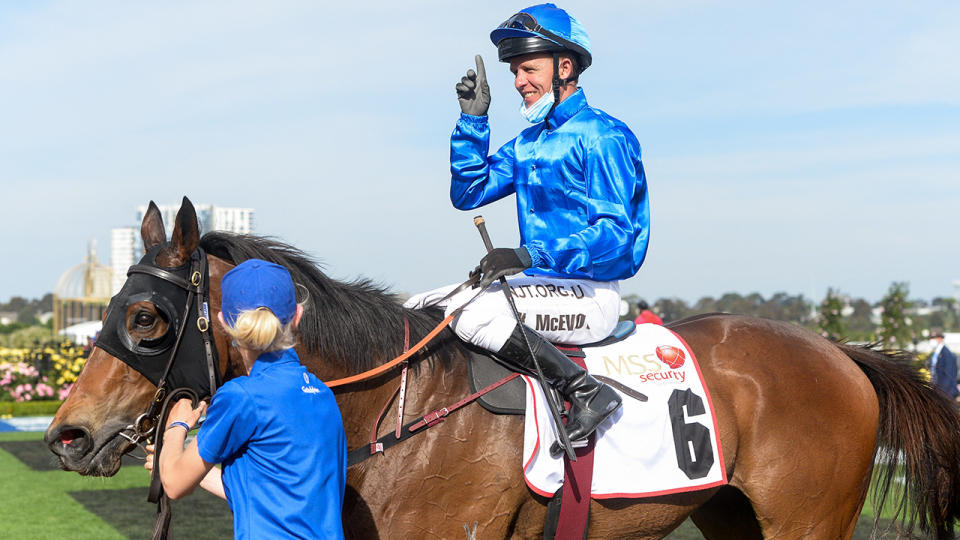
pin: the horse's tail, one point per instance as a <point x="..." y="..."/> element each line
<point x="919" y="430"/>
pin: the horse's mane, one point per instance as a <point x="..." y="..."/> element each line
<point x="357" y="325"/>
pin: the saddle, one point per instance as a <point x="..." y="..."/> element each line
<point x="483" y="370"/>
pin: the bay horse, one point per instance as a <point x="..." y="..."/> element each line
<point x="804" y="422"/>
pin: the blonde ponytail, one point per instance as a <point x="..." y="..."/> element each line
<point x="260" y="330"/>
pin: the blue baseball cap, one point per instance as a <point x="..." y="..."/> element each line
<point x="256" y="283"/>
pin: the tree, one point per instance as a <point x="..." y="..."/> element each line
<point x="860" y="322"/>
<point x="672" y="309"/>
<point x="706" y="305"/>
<point x="895" y="327"/>
<point x="45" y="304"/>
<point x="948" y="317"/>
<point x="31" y="337"/>
<point x="830" y="320"/>
<point x="15" y="304"/>
<point x="28" y="316"/>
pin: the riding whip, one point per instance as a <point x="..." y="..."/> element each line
<point x="554" y="410"/>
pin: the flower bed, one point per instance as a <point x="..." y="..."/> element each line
<point x="44" y="373"/>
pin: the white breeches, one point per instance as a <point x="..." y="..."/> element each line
<point x="570" y="311"/>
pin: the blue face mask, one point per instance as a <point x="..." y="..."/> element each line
<point x="538" y="111"/>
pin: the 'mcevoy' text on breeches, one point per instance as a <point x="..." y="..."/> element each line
<point x="571" y="311"/>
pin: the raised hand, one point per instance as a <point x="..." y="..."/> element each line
<point x="473" y="91"/>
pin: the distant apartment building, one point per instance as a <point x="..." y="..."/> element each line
<point x="237" y="220"/>
<point x="125" y="250"/>
<point x="126" y="247"/>
<point x="211" y="218"/>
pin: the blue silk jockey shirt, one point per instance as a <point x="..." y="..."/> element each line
<point x="581" y="190"/>
<point x="280" y="438"/>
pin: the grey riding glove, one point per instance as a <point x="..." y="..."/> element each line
<point x="473" y="91"/>
<point x="501" y="262"/>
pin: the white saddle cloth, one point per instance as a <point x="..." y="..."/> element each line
<point x="667" y="444"/>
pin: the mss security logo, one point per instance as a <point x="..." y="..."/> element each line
<point x="671" y="356"/>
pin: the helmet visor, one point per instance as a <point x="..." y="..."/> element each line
<point x="522" y="21"/>
<point x="523" y="24"/>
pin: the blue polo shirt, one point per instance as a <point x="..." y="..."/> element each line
<point x="280" y="438"/>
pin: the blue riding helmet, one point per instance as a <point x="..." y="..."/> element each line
<point x="542" y="28"/>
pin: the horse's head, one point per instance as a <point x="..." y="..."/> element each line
<point x="152" y="331"/>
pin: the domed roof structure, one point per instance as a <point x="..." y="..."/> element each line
<point x="83" y="292"/>
<point x="87" y="280"/>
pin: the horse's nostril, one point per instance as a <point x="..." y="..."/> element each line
<point x="69" y="441"/>
<point x="67" y="436"/>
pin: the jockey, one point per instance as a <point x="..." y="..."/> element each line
<point x="582" y="209"/>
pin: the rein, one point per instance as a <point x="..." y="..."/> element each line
<point x="408" y="352"/>
<point x="371" y="373"/>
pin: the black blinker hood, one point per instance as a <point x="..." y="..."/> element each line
<point x="150" y="357"/>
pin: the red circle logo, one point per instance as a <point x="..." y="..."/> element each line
<point x="671" y="356"/>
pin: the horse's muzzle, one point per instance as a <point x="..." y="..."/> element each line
<point x="78" y="450"/>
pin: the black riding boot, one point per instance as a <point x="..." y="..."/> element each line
<point x="591" y="401"/>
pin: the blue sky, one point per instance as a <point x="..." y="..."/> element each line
<point x="788" y="146"/>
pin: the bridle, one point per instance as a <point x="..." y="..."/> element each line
<point x="195" y="281"/>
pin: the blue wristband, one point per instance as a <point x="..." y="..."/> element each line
<point x="179" y="424"/>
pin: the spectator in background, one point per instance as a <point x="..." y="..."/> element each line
<point x="646" y="316"/>
<point x="943" y="366"/>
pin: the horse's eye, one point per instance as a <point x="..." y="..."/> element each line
<point x="144" y="319"/>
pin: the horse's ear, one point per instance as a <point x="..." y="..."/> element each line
<point x="151" y="230"/>
<point x="186" y="232"/>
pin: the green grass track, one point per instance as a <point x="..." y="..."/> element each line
<point x="53" y="504"/>
<point x="37" y="504"/>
